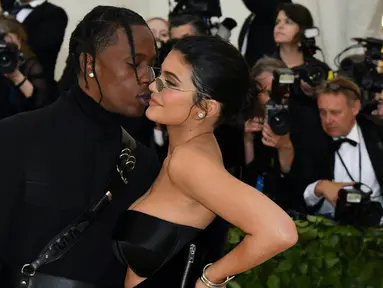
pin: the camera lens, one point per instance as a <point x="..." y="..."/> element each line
<point x="5" y="60"/>
<point x="316" y="75"/>
<point x="279" y="122"/>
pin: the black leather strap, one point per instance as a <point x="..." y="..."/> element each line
<point x="69" y="236"/>
<point x="41" y="280"/>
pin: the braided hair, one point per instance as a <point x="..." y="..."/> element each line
<point x="97" y="31"/>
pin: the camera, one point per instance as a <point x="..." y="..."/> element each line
<point x="203" y="8"/>
<point x="371" y="80"/>
<point x="364" y="68"/>
<point x="308" y="43"/>
<point x="311" y="74"/>
<point x="277" y="115"/>
<point x="354" y="207"/>
<point x="9" y="56"/>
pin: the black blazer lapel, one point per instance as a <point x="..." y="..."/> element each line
<point x="373" y="139"/>
<point x="35" y="15"/>
<point x="244" y="30"/>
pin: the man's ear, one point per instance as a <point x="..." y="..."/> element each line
<point x="88" y="68"/>
<point x="356" y="107"/>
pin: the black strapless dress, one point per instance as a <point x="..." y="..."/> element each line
<point x="159" y="250"/>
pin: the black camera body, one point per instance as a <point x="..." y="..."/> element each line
<point x="354" y="207"/>
<point x="372" y="80"/>
<point x="365" y="70"/>
<point x="277" y="111"/>
<point x="210" y="8"/>
<point x="311" y="74"/>
<point x="9" y="56"/>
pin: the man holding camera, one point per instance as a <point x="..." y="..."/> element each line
<point x="355" y="150"/>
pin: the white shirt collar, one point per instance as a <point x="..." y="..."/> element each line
<point x="352" y="135"/>
<point x="36" y="3"/>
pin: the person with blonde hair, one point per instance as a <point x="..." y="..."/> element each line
<point x="24" y="88"/>
<point x="159" y="28"/>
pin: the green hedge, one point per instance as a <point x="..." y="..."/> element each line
<point x="326" y="255"/>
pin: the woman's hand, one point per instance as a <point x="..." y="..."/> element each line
<point x="199" y="284"/>
<point x="254" y="125"/>
<point x="269" y="138"/>
<point x="307" y="89"/>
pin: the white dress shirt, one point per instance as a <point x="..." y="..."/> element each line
<point x="24" y="13"/>
<point x="246" y="38"/>
<point x="350" y="156"/>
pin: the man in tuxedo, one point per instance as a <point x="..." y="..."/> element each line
<point x="45" y="25"/>
<point x="355" y="150"/>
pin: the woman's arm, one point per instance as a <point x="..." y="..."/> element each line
<point x="30" y="80"/>
<point x="286" y="156"/>
<point x="269" y="229"/>
<point x="21" y="82"/>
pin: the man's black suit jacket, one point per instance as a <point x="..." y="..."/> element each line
<point x="45" y="27"/>
<point x="54" y="162"/>
<point x="320" y="162"/>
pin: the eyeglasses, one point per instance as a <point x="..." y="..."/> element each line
<point x="335" y="87"/>
<point x="145" y="73"/>
<point x="161" y="85"/>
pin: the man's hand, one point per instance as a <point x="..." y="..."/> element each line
<point x="330" y="189"/>
<point x="269" y="138"/>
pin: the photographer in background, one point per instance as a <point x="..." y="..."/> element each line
<point x="259" y="25"/>
<point x="269" y="156"/>
<point x="354" y="158"/>
<point x="262" y="72"/>
<point x="159" y="28"/>
<point x="25" y="88"/>
<point x="45" y="25"/>
<point x="290" y="26"/>
<point x="187" y="25"/>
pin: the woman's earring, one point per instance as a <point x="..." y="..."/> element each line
<point x="91" y="75"/>
<point x="201" y="115"/>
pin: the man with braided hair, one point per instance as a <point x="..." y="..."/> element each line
<point x="56" y="161"/>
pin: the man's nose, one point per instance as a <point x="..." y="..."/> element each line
<point x="328" y="120"/>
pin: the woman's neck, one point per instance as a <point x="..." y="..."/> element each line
<point x="179" y="135"/>
<point x="291" y="55"/>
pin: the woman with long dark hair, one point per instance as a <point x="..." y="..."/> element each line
<point x="203" y="82"/>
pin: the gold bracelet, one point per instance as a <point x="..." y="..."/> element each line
<point x="210" y="284"/>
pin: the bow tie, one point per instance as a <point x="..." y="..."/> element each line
<point x="338" y="143"/>
<point x="18" y="7"/>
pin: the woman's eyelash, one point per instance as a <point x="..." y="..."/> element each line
<point x="169" y="83"/>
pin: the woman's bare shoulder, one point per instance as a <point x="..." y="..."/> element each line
<point x="195" y="156"/>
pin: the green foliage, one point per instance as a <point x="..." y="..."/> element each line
<point x="326" y="255"/>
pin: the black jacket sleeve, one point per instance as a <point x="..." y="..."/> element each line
<point x="10" y="181"/>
